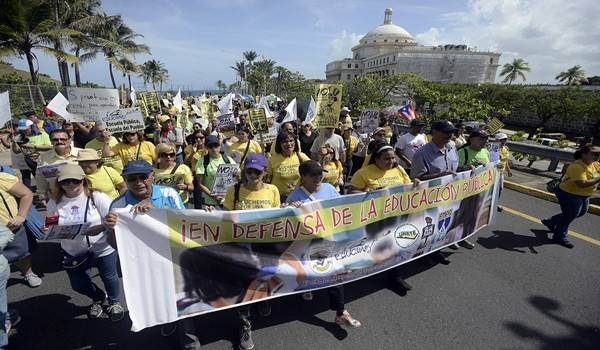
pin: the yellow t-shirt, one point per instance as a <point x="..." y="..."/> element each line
<point x="7" y="182"/>
<point x="366" y="161"/>
<point x="372" y="177"/>
<point x="284" y="171"/>
<point x="334" y="171"/>
<point x="183" y="174"/>
<point x="105" y="180"/>
<point x="236" y="151"/>
<point x="267" y="197"/>
<point x="578" y="170"/>
<point x="197" y="155"/>
<point x="504" y="156"/>
<point x="114" y="161"/>
<point x="129" y="152"/>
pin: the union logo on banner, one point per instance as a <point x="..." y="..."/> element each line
<point x="444" y="221"/>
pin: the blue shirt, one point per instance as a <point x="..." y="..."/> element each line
<point x="162" y="197"/>
<point x="326" y="191"/>
<point x="430" y="160"/>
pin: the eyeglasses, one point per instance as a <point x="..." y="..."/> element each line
<point x="168" y="155"/>
<point x="70" y="182"/>
<point x="60" y="139"/>
<point x="137" y="177"/>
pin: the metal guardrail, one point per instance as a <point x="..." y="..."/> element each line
<point x="554" y="154"/>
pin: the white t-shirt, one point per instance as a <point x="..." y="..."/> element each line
<point x="72" y="211"/>
<point x="335" y="140"/>
<point x="408" y="144"/>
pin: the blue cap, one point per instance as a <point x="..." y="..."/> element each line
<point x="255" y="161"/>
<point x="24" y="124"/>
<point x="211" y="140"/>
<point x="137" y="167"/>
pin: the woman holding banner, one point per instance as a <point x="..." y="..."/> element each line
<point x="283" y="166"/>
<point x="133" y="147"/>
<point x="100" y="178"/>
<point x="171" y="174"/>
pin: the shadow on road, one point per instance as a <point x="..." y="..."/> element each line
<point x="512" y="242"/>
<point x="581" y="336"/>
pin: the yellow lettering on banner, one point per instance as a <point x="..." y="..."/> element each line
<point x="326" y="222"/>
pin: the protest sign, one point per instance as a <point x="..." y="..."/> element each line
<point x="49" y="171"/>
<point x="369" y="120"/>
<point x="88" y="102"/>
<point x="58" y="105"/>
<point x="151" y="101"/>
<point x="5" y="115"/>
<point x="494" y="149"/>
<point x="170" y="180"/>
<point x="209" y="261"/>
<point x="123" y="120"/>
<point x="258" y="119"/>
<point x="224" y="178"/>
<point x="225" y="122"/>
<point x="206" y="108"/>
<point x="268" y="137"/>
<point x="66" y="231"/>
<point x="493" y="126"/>
<point x="329" y="104"/>
<point x="196" y="110"/>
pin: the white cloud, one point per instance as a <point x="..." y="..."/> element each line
<point x="551" y="35"/>
<point x="340" y="46"/>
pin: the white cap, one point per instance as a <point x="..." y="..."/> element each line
<point x="345" y="109"/>
<point x="501" y="136"/>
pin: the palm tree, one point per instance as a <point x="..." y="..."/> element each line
<point x="128" y="67"/>
<point x="513" y="70"/>
<point x="27" y="26"/>
<point x="116" y="40"/>
<point x="250" y="56"/>
<point x="221" y="85"/>
<point x="153" y="72"/>
<point x="573" y="76"/>
<point x="240" y="68"/>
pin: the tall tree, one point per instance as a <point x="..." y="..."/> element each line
<point x="240" y="68"/>
<point x="153" y="72"/>
<point x="250" y="56"/>
<point x="573" y="76"/>
<point x="511" y="71"/>
<point x="128" y="67"/>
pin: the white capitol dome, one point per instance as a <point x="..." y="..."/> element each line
<point x="388" y="32"/>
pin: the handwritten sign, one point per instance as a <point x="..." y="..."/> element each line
<point x="123" y="120"/>
<point x="87" y="102"/>
<point x="169" y="180"/>
<point x="329" y="104"/>
<point x="226" y="122"/>
<point x="5" y="115"/>
<point x="258" y="119"/>
<point x="67" y="231"/>
<point x="369" y="120"/>
<point x="224" y="178"/>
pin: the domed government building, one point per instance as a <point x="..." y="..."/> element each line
<point x="389" y="49"/>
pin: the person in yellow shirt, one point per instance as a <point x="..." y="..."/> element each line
<point x="133" y="147"/>
<point x="379" y="134"/>
<point x="102" y="135"/>
<point x="244" y="146"/>
<point x="100" y="177"/>
<point x="171" y="174"/>
<point x="382" y="172"/>
<point x="574" y="192"/>
<point x="195" y="150"/>
<point x="282" y="170"/>
<point x="352" y="144"/>
<point x="334" y="172"/>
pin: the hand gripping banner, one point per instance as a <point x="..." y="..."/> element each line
<point x="182" y="263"/>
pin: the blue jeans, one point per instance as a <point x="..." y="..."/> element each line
<point x="107" y="267"/>
<point x="572" y="207"/>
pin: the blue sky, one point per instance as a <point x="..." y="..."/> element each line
<point x="198" y="40"/>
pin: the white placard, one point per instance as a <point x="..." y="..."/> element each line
<point x="225" y="122"/>
<point x="92" y="102"/>
<point x="494" y="149"/>
<point x="123" y="120"/>
<point x="67" y="231"/>
<point x="268" y="137"/>
<point x="369" y="120"/>
<point x="224" y="178"/>
<point x="5" y="115"/>
<point x="59" y="104"/>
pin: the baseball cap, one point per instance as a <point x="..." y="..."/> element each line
<point x="69" y="171"/>
<point x="345" y="109"/>
<point x="211" y="140"/>
<point x="479" y="133"/>
<point x="137" y="167"/>
<point x="417" y="122"/>
<point x="255" y="161"/>
<point x="443" y="126"/>
<point x="163" y="118"/>
<point x="311" y="167"/>
<point x="24" y="124"/>
<point x="501" y="136"/>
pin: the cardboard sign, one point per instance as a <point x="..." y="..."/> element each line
<point x="225" y="122"/>
<point x="329" y="104"/>
<point x="224" y="178"/>
<point x="258" y="119"/>
<point x="169" y="180"/>
<point x="493" y="126"/>
<point x="123" y="120"/>
<point x="369" y="120"/>
<point x="87" y="102"/>
<point x="5" y="115"/>
<point x="67" y="231"/>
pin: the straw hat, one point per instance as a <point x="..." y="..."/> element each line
<point x="87" y="154"/>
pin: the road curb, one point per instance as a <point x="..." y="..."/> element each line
<point x="593" y="209"/>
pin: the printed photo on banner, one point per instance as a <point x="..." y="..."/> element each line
<point x="87" y="102"/>
<point x="123" y="120"/>
<point x="258" y="119"/>
<point x="226" y="122"/>
<point x="369" y="120"/>
<point x="225" y="177"/>
<point x="329" y="104"/>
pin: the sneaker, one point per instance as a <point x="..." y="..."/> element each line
<point x="563" y="242"/>
<point x="12" y="320"/>
<point x="168" y="329"/>
<point x="96" y="310"/>
<point x="345" y="319"/>
<point x="246" y="342"/>
<point x="264" y="309"/>
<point x="549" y="225"/>
<point x="453" y="246"/>
<point x="308" y="296"/>
<point x="116" y="312"/>
<point x="466" y="244"/>
<point x="32" y="280"/>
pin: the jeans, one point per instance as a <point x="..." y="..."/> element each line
<point x="198" y="200"/>
<point x="572" y="207"/>
<point x="107" y="267"/>
<point x="4" y="275"/>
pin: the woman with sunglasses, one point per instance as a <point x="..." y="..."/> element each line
<point x="206" y="170"/>
<point x="574" y="192"/>
<point x="244" y="146"/>
<point x="169" y="173"/>
<point x="334" y="171"/>
<point x="132" y="147"/>
<point x="99" y="177"/>
<point x="283" y="166"/>
<point x="74" y="203"/>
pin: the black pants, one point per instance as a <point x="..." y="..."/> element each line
<point x="336" y="298"/>
<point x="26" y="177"/>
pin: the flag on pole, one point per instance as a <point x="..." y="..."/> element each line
<point x="133" y="97"/>
<point x="292" y="114"/>
<point x="226" y="104"/>
<point x="178" y="102"/>
<point x="407" y="112"/>
<point x="311" y="112"/>
<point x="264" y="104"/>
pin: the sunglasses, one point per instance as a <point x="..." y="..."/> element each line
<point x="61" y="139"/>
<point x="70" y="182"/>
<point x="199" y="137"/>
<point x="137" y="177"/>
<point x="214" y="145"/>
<point x="253" y="171"/>
<point x="167" y="155"/>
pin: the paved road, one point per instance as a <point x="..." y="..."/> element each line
<point x="516" y="290"/>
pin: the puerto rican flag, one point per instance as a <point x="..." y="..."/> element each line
<point x="407" y="112"/>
